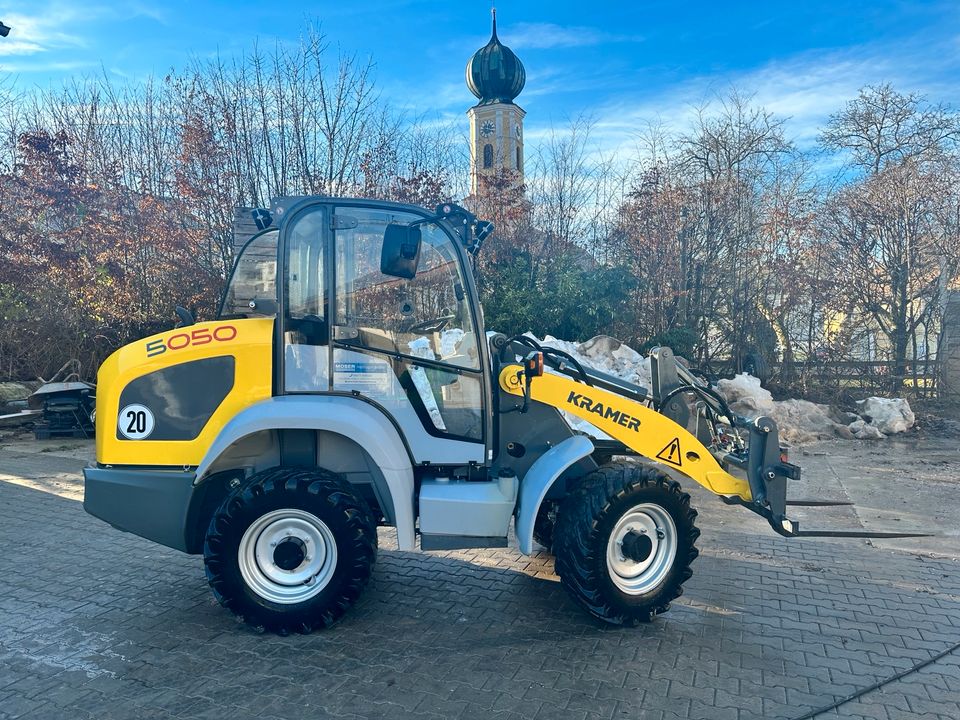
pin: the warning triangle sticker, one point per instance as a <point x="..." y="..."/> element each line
<point x="671" y="453"/>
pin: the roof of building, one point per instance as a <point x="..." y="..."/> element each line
<point x="494" y="73"/>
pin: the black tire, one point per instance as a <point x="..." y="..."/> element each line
<point x="756" y="364"/>
<point x="545" y="523"/>
<point x="307" y="492"/>
<point x="588" y="516"/>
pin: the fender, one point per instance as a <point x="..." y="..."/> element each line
<point x="541" y="475"/>
<point x="354" y="419"/>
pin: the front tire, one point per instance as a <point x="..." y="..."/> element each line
<point x="545" y="523"/>
<point x="291" y="549"/>
<point x="624" y="541"/>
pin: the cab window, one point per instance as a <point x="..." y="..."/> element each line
<point x="254" y="279"/>
<point x="427" y="316"/>
<point x="394" y="335"/>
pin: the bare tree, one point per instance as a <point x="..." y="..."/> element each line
<point x="884" y="127"/>
<point x="894" y="230"/>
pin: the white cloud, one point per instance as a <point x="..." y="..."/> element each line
<point x="44" y="28"/>
<point x="541" y="36"/>
<point x="57" y="25"/>
<point x="803" y="90"/>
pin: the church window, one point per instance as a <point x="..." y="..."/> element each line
<point x="488" y="155"/>
<point x="518" y="160"/>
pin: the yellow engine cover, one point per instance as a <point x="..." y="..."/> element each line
<point x="161" y="401"/>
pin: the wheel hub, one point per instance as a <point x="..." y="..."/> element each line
<point x="636" y="546"/>
<point x="641" y="549"/>
<point x="287" y="556"/>
<point x="290" y="553"/>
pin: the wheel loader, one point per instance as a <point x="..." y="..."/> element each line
<point x="348" y="382"/>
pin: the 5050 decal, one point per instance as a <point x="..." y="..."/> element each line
<point x="200" y="336"/>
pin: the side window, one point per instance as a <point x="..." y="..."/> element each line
<point x="305" y="278"/>
<point x="254" y="278"/>
<point x="425" y="317"/>
<point x="488" y="155"/>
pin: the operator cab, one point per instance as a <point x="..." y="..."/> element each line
<point x="377" y="300"/>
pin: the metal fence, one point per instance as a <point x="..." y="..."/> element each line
<point x="920" y="379"/>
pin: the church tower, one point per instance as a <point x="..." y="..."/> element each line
<point x="496" y="76"/>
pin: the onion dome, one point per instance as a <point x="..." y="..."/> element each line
<point x="494" y="73"/>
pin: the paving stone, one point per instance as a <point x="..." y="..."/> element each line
<point x="111" y="626"/>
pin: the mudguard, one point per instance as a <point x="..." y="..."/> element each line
<point x="541" y="475"/>
<point x="355" y="419"/>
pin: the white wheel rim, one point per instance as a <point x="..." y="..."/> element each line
<point x="639" y="577"/>
<point x="308" y="536"/>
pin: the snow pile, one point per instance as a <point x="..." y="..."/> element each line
<point x="888" y="415"/>
<point x="745" y="396"/>
<point x="607" y="355"/>
<point x="801" y="421"/>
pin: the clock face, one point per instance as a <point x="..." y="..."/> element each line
<point x="487" y="128"/>
<point x="519" y="131"/>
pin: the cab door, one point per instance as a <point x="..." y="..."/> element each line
<point x="407" y="345"/>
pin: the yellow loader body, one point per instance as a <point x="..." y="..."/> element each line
<point x="233" y="355"/>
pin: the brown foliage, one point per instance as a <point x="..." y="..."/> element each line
<point x="86" y="264"/>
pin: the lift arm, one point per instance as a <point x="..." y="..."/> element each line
<point x="645" y="431"/>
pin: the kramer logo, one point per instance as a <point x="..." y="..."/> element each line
<point x="608" y="413"/>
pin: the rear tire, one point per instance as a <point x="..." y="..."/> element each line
<point x="756" y="365"/>
<point x="624" y="541"/>
<point x="290" y="550"/>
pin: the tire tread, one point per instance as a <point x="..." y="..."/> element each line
<point x="303" y="484"/>
<point x="580" y="550"/>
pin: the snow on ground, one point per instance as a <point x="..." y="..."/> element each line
<point x="799" y="421"/>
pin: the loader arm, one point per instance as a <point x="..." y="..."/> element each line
<point x="660" y="439"/>
<point x="643" y="430"/>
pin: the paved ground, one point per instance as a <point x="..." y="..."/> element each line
<point x="95" y="623"/>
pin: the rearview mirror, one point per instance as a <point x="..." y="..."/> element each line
<point x="401" y="251"/>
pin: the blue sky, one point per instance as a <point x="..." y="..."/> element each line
<point x="626" y="64"/>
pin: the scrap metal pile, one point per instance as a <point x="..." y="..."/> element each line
<point x="61" y="408"/>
